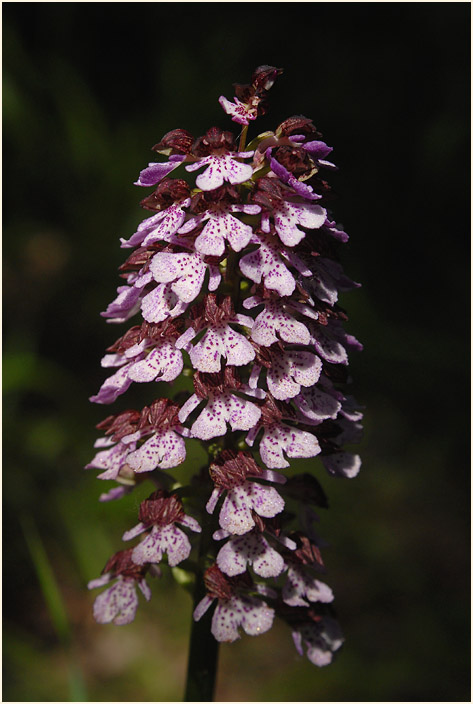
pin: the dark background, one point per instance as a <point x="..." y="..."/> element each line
<point x="88" y="88"/>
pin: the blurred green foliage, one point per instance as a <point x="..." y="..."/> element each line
<point x="88" y="88"/>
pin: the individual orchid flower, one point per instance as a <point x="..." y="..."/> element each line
<point x="158" y="515"/>
<point x="235" y="607"/>
<point x="119" y="602"/>
<point x="214" y="316"/>
<point x="223" y="406"/>
<point x="230" y="472"/>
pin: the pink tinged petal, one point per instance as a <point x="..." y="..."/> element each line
<point x="316" y="405"/>
<point x="112" y="387"/>
<point x="342" y="464"/>
<point x="287" y="217"/>
<point x="117" y="492"/>
<point x="164" y="363"/>
<point x="252" y="549"/>
<point x="202" y="607"/>
<point x="239" y="112"/>
<point x="186" y="271"/>
<point x="214" y="277"/>
<point x="210" y="241"/>
<point x="117" y="604"/>
<point x="206" y="354"/>
<point x="297" y="638"/>
<point x="103" y="442"/>
<point x="254" y="376"/>
<point x="100" y="581"/>
<point x="257" y="616"/>
<point x="321" y="640"/>
<point x="134" y="532"/>
<point x="266" y="263"/>
<point x="163" y="539"/>
<point x="266" y="500"/>
<point x="232" y="558"/>
<point x="211" y="423"/>
<point x="299" y="585"/>
<point x="212" y="502"/>
<point x="306" y="367"/>
<point x="113" y="360"/>
<point x="110" y="460"/>
<point x="278" y="376"/>
<point x="164" y="450"/>
<point x="150" y="549"/>
<point x="183" y="342"/>
<point x="190" y="523"/>
<point x="238" y="349"/>
<point x="155" y="172"/>
<point x="273" y="319"/>
<point x="175" y="543"/>
<point x="143" y="229"/>
<point x="220" y="169"/>
<point x="144" y="589"/>
<point x="125" y="305"/>
<point x="280" y="439"/>
<point x="237" y="233"/>
<point x="161" y="303"/>
<point x="191" y="403"/>
<point x="250" y="438"/>
<point x="275" y="477"/>
<point x="243" y="415"/>
<point x="329" y="348"/>
<point x="244" y="320"/>
<point x="225" y="621"/>
<point x="235" y="515"/>
<point x="319" y="591"/>
<point x="168" y="226"/>
<point x="249" y="612"/>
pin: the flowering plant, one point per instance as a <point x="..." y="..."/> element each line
<point x="236" y="278"/>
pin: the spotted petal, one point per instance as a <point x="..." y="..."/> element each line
<point x="252" y="614"/>
<point x="164" y="450"/>
<point x="164" y="363"/>
<point x="163" y="539"/>
<point x="252" y="549"/>
<point x="236" y="513"/>
<point x="118" y="603"/>
<point x="282" y="439"/>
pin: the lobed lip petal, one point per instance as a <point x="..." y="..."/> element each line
<point x="164" y="450"/>
<point x="164" y="363"/>
<point x="118" y="603"/>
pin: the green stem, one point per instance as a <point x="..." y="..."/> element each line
<point x="244" y="132"/>
<point x="203" y="649"/>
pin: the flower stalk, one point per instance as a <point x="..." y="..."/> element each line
<point x="235" y="278"/>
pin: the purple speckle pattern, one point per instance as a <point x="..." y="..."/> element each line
<point x="266" y="264"/>
<point x="301" y="588"/>
<point x="117" y="604"/>
<point x="250" y="549"/>
<point x="253" y="615"/>
<point x="219" y="169"/>
<point x="220" y="341"/>
<point x="167" y="539"/>
<point x="281" y="439"/>
<point x="233" y="281"/>
<point x="236" y="512"/>
<point x="164" y="450"/>
<point x="222" y="409"/>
